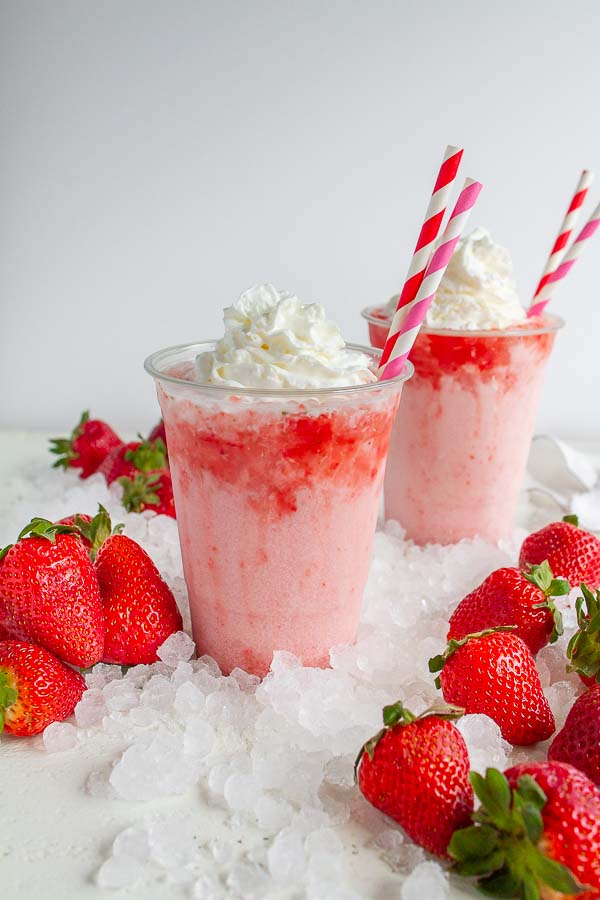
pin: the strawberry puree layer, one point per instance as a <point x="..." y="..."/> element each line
<point x="459" y="449"/>
<point x="378" y="333"/>
<point x="276" y="509"/>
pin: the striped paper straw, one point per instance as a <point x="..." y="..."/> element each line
<point x="429" y="232"/>
<point x="409" y="318"/>
<point x="566" y="229"/>
<point x="567" y="264"/>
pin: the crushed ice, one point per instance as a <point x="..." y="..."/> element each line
<point x="274" y="759"/>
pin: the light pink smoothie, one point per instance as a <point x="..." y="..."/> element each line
<point x="277" y="497"/>
<point x="459" y="450"/>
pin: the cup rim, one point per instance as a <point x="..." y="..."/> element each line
<point x="555" y="323"/>
<point x="152" y="362"/>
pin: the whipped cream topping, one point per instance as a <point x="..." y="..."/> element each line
<point x="477" y="292"/>
<point x="272" y="340"/>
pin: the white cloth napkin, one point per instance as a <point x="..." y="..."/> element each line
<point x="561" y="480"/>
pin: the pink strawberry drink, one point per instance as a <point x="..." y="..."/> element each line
<point x="278" y="437"/>
<point x="459" y="450"/>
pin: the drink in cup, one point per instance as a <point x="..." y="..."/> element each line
<point x="459" y="449"/>
<point x="278" y="436"/>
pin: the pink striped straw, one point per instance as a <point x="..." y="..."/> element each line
<point x="408" y="319"/>
<point x="567" y="264"/>
<point x="564" y="235"/>
<point x="428" y="234"/>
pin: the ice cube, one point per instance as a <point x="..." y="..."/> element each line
<point x="178" y="647"/>
<point x="248" y="881"/>
<point x="120" y="696"/>
<point x="285" y="857"/>
<point x="91" y="709"/>
<point x="119" y="872"/>
<point x="323" y="840"/>
<point x="284" y="662"/>
<point x="427" y="880"/>
<point x="242" y="792"/>
<point x="173" y="842"/>
<point x="208" y="887"/>
<point x="209" y="665"/>
<point x="223" y="851"/>
<point x="188" y="699"/>
<point x="59" y="736"/>
<point x="485" y="744"/>
<point x="98" y="785"/>
<point x="561" y="696"/>
<point x="199" y="737"/>
<point x="152" y="768"/>
<point x="247" y="683"/>
<point x="333" y="891"/>
<point x="182" y="674"/>
<point x="272" y="813"/>
<point x="132" y="842"/>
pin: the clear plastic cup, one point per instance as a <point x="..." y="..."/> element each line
<point x="459" y="450"/>
<point x="277" y="495"/>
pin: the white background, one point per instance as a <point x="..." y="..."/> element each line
<point x="156" y="158"/>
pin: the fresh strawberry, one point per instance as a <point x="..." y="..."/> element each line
<point x="578" y="743"/>
<point x="493" y="673"/>
<point x="537" y="834"/>
<point x="89" y="444"/>
<point x="416" y="770"/>
<point x="572" y="553"/>
<point x="35" y="688"/>
<point x="583" y="649"/>
<point x="139" y="608"/>
<point x="510" y="597"/>
<point x="149" y="490"/>
<point x="159" y="432"/>
<point x="126" y="460"/>
<point x="49" y="593"/>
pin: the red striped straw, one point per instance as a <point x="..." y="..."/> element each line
<point x="408" y="319"/>
<point x="567" y="264"/>
<point x="428" y="235"/>
<point x="564" y="236"/>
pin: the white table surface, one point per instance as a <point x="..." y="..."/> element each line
<point x="54" y="836"/>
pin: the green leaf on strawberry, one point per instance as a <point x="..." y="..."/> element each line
<point x="583" y="650"/>
<point x="63" y="447"/>
<point x="44" y="528"/>
<point x="149" y="455"/>
<point x="140" y="491"/>
<point x="8" y="695"/>
<point x="502" y="845"/>
<point x="541" y="576"/>
<point x="98" y="529"/>
<point x="572" y="519"/>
